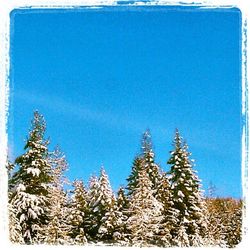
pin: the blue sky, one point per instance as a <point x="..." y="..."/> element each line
<point x="101" y="77"/>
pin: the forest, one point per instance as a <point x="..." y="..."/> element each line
<point x="155" y="208"/>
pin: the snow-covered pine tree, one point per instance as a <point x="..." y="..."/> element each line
<point x="57" y="230"/>
<point x="104" y="218"/>
<point x="145" y="214"/>
<point x="92" y="223"/>
<point x="111" y="230"/>
<point x="110" y="220"/>
<point x="78" y="210"/>
<point x="149" y="164"/>
<point x="186" y="197"/>
<point x="30" y="183"/>
<point x="146" y="160"/>
<point x="164" y="195"/>
<point x="122" y="204"/>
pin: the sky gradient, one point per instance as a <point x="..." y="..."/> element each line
<point x="101" y="77"/>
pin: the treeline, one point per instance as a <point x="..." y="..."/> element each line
<point x="156" y="208"/>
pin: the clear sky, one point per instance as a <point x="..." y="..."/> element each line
<point x="101" y="77"/>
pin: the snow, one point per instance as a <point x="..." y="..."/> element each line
<point x="181" y="194"/>
<point x="34" y="171"/>
<point x="21" y="188"/>
<point x="32" y="214"/>
<point x="22" y="218"/>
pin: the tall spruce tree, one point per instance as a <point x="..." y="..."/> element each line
<point x="30" y="183"/>
<point x="186" y="197"/>
<point x="146" y="160"/>
<point x="149" y="164"/>
<point x="110" y="221"/>
<point x="144" y="222"/>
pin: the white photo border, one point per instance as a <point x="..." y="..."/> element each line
<point x="8" y="6"/>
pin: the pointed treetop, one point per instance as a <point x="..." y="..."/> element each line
<point x="58" y="159"/>
<point x="121" y="198"/>
<point x="38" y="126"/>
<point x="93" y="181"/>
<point x="121" y="190"/>
<point x="104" y="177"/>
<point x="177" y="139"/>
<point x="146" y="141"/>
<point x="102" y="170"/>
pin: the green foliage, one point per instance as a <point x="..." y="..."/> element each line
<point x="78" y="212"/>
<point x="133" y="177"/>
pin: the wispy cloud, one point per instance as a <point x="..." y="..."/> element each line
<point x="161" y="132"/>
<point x="84" y="113"/>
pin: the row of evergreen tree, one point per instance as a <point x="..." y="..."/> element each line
<point x="154" y="209"/>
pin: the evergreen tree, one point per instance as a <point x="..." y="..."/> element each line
<point x="30" y="183"/>
<point x="122" y="200"/>
<point x="111" y="230"/>
<point x="103" y="214"/>
<point x="149" y="164"/>
<point x="110" y="220"/>
<point x="164" y="195"/>
<point x="92" y="220"/>
<point x="78" y="213"/>
<point x="122" y="211"/>
<point x="145" y="214"/>
<point x="56" y="232"/>
<point x="186" y="196"/>
<point x="145" y="160"/>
